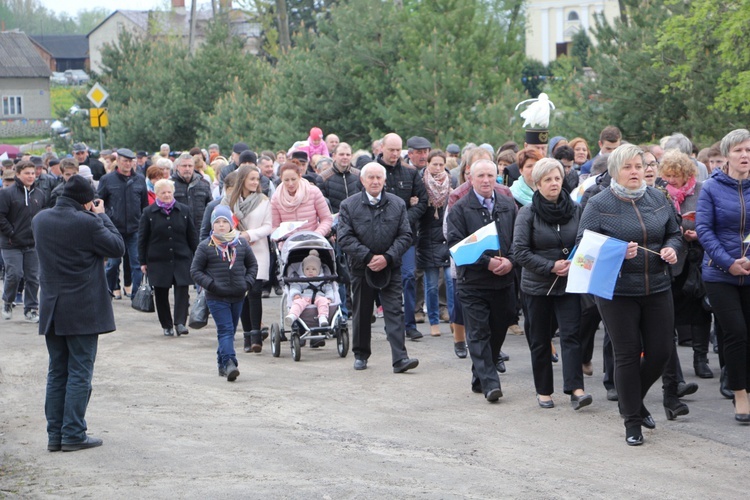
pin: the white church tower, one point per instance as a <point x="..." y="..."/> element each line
<point x="551" y="24"/>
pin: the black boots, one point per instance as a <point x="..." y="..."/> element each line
<point x="256" y="341"/>
<point x="724" y="386"/>
<point x="246" y="346"/>
<point x="700" y="364"/>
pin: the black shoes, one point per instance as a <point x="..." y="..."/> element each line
<point x="493" y="395"/>
<point x="684" y="389"/>
<point x="504" y="356"/>
<point x="181" y="330"/>
<point x="648" y="420"/>
<point x="360" y="364"/>
<point x="405" y="365"/>
<point x="54" y="447"/>
<point x="723" y="385"/>
<point x="168" y="332"/>
<point x="500" y="365"/>
<point x="246" y="344"/>
<point x="546" y="404"/>
<point x="700" y="365"/>
<point x="578" y="402"/>
<point x="89" y="442"/>
<point x="633" y="436"/>
<point x="674" y="408"/>
<point x="232" y="371"/>
<point x="612" y="394"/>
<point x="460" y="349"/>
<point x="413" y="334"/>
<point x="256" y="341"/>
<point x="277" y="290"/>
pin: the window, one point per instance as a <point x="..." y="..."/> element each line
<point x="573" y="16"/>
<point x="12" y="105"/>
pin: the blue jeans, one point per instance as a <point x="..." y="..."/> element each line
<point x="71" y="368"/>
<point x="226" y="315"/>
<point x="409" y="284"/>
<point x="113" y="265"/>
<point x="431" y="281"/>
<point x="21" y="263"/>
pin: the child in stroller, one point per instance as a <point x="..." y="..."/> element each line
<point x="302" y="295"/>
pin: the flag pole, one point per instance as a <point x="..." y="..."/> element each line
<point x="649" y="250"/>
<point x="553" y="284"/>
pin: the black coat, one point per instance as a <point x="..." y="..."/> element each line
<point x="72" y="244"/>
<point x="338" y="186"/>
<point x="205" y="227"/>
<point x="166" y="244"/>
<point x="196" y="195"/>
<point x="18" y="206"/>
<point x="211" y="272"/>
<point x="367" y="230"/>
<point x="468" y="216"/>
<point x="124" y="198"/>
<point x="536" y="247"/>
<point x="405" y="182"/>
<point x="432" y="247"/>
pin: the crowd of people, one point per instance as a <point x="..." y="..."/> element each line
<point x="392" y="213"/>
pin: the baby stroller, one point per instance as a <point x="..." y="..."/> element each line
<point x="305" y="328"/>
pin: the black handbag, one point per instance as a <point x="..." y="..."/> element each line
<point x="199" y="312"/>
<point x="143" y="299"/>
<point x="693" y="286"/>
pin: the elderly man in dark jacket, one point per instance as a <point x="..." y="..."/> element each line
<point x="191" y="189"/>
<point x="374" y="232"/>
<point x="125" y="195"/>
<point x="485" y="288"/>
<point x="72" y="240"/>
<point x="19" y="203"/>
<point x="405" y="182"/>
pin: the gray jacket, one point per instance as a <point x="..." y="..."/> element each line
<point x="650" y="221"/>
<point x="537" y="245"/>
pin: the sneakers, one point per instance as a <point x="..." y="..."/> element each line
<point x="323" y="322"/>
<point x="289" y="320"/>
<point x="7" y="310"/>
<point x="232" y="371"/>
<point x="31" y="316"/>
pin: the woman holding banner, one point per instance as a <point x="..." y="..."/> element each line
<point x="640" y="314"/>
<point x="723" y="230"/>
<point x="544" y="235"/>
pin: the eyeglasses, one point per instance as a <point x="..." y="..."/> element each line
<point x="653" y="164"/>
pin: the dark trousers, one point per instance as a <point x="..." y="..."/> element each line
<point x="542" y="310"/>
<point x="363" y="298"/>
<point x="642" y="324"/>
<point x="252" y="308"/>
<point x="590" y="319"/>
<point x="71" y="368"/>
<point x="409" y="286"/>
<point x="731" y="305"/>
<point x="21" y="264"/>
<point x="181" y="303"/>
<point x="487" y="314"/>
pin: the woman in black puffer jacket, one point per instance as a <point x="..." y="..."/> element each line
<point x="544" y="235"/>
<point x="432" y="247"/>
<point x="640" y="315"/>
<point x="224" y="265"/>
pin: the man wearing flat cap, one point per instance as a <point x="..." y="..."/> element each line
<point x="125" y="196"/>
<point x="374" y="232"/>
<point x="74" y="306"/>
<point x="418" y="149"/>
<point x="81" y="153"/>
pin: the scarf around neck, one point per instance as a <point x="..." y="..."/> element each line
<point x="522" y="192"/>
<point x="244" y="207"/>
<point x="165" y="207"/>
<point x="559" y="212"/>
<point x="226" y="245"/>
<point x="679" y="194"/>
<point x="290" y="203"/>
<point x="438" y="188"/>
<point x="628" y="194"/>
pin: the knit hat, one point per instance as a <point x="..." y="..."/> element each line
<point x="316" y="134"/>
<point x="312" y="259"/>
<point x="222" y="212"/>
<point x="79" y="189"/>
<point x="240" y="147"/>
<point x="248" y="156"/>
<point x="85" y="172"/>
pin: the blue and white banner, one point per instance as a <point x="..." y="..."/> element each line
<point x="468" y="250"/>
<point x="596" y="264"/>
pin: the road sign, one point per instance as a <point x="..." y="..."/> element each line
<point x="99" y="117"/>
<point x="97" y="95"/>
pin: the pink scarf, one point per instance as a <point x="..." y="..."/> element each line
<point x="290" y="203"/>
<point x="679" y="194"/>
<point x="438" y="188"/>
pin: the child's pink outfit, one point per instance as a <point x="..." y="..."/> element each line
<point x="299" y="304"/>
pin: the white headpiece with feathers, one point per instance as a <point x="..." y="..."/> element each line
<point x="537" y="113"/>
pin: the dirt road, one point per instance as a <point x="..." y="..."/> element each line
<point x="318" y="429"/>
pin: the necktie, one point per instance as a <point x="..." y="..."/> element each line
<point x="488" y="204"/>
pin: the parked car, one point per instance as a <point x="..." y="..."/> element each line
<point x="58" y="78"/>
<point x="76" y="77"/>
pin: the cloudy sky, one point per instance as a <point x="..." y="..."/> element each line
<point x="73" y="6"/>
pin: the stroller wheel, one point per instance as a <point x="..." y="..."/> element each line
<point x="275" y="340"/>
<point x="342" y="341"/>
<point x="295" y="347"/>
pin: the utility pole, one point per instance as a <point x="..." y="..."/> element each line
<point x="284" y="40"/>
<point x="193" y="20"/>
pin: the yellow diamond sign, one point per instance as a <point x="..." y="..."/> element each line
<point x="97" y="95"/>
